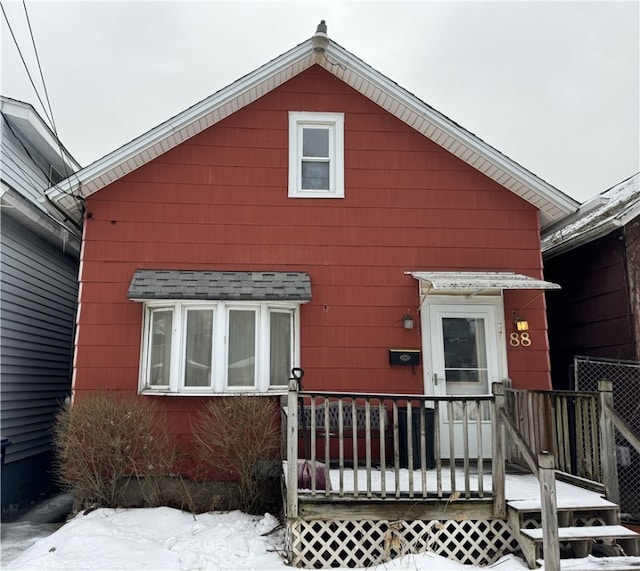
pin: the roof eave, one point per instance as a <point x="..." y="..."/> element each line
<point x="552" y="204"/>
<point x="590" y="234"/>
<point x="183" y="126"/>
<point x="20" y="111"/>
<point x="52" y="230"/>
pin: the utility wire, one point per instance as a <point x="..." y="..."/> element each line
<point x="78" y="199"/>
<point x="15" y="41"/>
<point x="63" y="153"/>
<point x="44" y="85"/>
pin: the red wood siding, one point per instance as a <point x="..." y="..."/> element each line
<point x="219" y="201"/>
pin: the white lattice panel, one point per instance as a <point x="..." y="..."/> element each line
<point x="323" y="544"/>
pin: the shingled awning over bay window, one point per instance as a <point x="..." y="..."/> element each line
<point x="219" y="285"/>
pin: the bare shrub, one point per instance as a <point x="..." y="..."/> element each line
<point x="103" y="441"/>
<point x="241" y="435"/>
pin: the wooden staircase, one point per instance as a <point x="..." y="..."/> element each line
<point x="584" y="527"/>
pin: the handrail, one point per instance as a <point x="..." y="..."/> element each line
<point x="397" y="396"/>
<point x="544" y="471"/>
<point x="564" y="423"/>
<point x="623" y="427"/>
<point x="520" y="442"/>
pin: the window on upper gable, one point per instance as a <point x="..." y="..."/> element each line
<point x="316" y="155"/>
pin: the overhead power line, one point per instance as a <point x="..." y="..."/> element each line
<point x="49" y="115"/>
<point x="44" y="85"/>
<point x="24" y="63"/>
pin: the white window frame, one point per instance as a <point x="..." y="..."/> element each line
<point x="218" y="383"/>
<point x="334" y="123"/>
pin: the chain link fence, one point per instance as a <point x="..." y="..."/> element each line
<point x="625" y="376"/>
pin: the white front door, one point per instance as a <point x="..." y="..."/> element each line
<point x="465" y="349"/>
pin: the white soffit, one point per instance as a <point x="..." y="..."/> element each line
<point x="551" y="203"/>
<point x="476" y="282"/>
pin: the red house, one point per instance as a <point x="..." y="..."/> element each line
<point x="312" y="214"/>
<point x="315" y="214"/>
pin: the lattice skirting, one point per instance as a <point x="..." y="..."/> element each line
<point x="322" y="544"/>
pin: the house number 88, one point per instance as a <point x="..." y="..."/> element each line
<point x="520" y="339"/>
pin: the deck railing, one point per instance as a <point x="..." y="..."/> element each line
<point x="563" y="423"/>
<point x="393" y="446"/>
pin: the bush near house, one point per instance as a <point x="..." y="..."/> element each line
<point x="241" y="434"/>
<point x="103" y="442"/>
<point x="116" y="451"/>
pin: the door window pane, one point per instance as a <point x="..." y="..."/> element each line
<point x="197" y="369"/>
<point x="465" y="350"/>
<point x="280" y="351"/>
<point x="242" y="348"/>
<point x="160" y="350"/>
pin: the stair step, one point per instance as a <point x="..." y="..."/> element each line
<point x="564" y="505"/>
<point x="585" y="532"/>
<point x="599" y="563"/>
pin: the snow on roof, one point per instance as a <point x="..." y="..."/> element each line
<point x="479" y="281"/>
<point x="597" y="217"/>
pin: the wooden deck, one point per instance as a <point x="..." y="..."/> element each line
<point x="393" y="490"/>
<point x="518" y="486"/>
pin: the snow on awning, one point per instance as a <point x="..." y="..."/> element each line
<point x="477" y="282"/>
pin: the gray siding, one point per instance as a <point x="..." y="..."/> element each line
<point x="17" y="168"/>
<point x="37" y="312"/>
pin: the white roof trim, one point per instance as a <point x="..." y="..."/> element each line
<point x="23" y="114"/>
<point x="552" y="204"/>
<point x="66" y="239"/>
<point x="597" y="217"/>
<point x="475" y="282"/>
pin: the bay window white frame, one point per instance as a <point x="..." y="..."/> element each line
<point x="334" y="123"/>
<point x="219" y="359"/>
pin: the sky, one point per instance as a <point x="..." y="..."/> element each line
<point x="553" y="85"/>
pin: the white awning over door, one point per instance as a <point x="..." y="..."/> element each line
<point x="476" y="282"/>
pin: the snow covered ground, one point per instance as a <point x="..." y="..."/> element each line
<point x="169" y="539"/>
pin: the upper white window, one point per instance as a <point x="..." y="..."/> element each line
<point x="191" y="347"/>
<point x="316" y="155"/>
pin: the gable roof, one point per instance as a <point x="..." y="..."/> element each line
<point x="25" y="119"/>
<point x="319" y="50"/>
<point x="600" y="215"/>
<point x="29" y="151"/>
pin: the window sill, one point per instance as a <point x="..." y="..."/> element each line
<point x="316" y="194"/>
<point x="279" y="391"/>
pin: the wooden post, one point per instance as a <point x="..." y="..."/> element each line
<point x="608" y="443"/>
<point x="498" y="455"/>
<point x="292" y="451"/>
<point x="550" y="544"/>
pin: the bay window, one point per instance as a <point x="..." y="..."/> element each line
<point x="196" y="347"/>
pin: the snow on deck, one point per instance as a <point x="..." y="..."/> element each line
<point x="521" y="488"/>
<point x="584" y="532"/>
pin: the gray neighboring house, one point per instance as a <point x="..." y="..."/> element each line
<point x="39" y="259"/>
